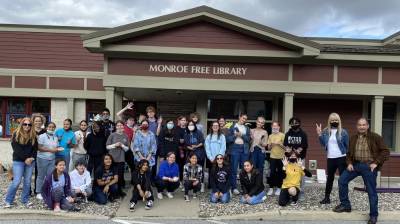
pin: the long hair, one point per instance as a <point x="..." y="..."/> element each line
<point x="211" y="132"/>
<point x="23" y="137"/>
<point x="55" y="175"/>
<point x="43" y="118"/>
<point x="339" y="128"/>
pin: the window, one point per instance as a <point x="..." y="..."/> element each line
<point x="12" y="110"/>
<point x="389" y="124"/>
<point x="230" y="110"/>
<point x="94" y="107"/>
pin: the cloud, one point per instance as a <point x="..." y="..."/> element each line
<point x="339" y="18"/>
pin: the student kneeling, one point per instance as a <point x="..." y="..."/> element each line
<point x="56" y="190"/>
<point x="293" y="173"/>
<point x="168" y="177"/>
<point x="105" y="183"/>
<point x="219" y="181"/>
<point x="141" y="181"/>
<point x="252" y="184"/>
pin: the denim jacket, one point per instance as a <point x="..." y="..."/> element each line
<point x="343" y="140"/>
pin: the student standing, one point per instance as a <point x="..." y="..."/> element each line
<point x="24" y="145"/>
<point x="117" y="144"/>
<point x="39" y="121"/>
<point x="335" y="141"/>
<point x="95" y="145"/>
<point x="79" y="151"/>
<point x="259" y="138"/>
<point x="66" y="140"/>
<point x="275" y="145"/>
<point x="145" y="144"/>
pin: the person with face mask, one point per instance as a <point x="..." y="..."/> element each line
<point x="95" y="145"/>
<point x="79" y="151"/>
<point x="48" y="146"/>
<point x="181" y="130"/>
<point x="141" y="181"/>
<point x="107" y="125"/>
<point x="194" y="143"/>
<point x="296" y="139"/>
<point x="277" y="152"/>
<point x="252" y="185"/>
<point x="294" y="171"/>
<point x="335" y="140"/>
<point x="144" y="145"/>
<point x="168" y="140"/>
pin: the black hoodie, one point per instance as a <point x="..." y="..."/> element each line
<point x="219" y="179"/>
<point x="297" y="139"/>
<point x="95" y="144"/>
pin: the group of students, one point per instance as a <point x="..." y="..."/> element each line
<point x="173" y="155"/>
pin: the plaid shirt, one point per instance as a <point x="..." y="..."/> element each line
<point x="362" y="152"/>
<point x="190" y="172"/>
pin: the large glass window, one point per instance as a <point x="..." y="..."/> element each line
<point x="230" y="110"/>
<point x="389" y="124"/>
<point x="12" y="110"/>
<point x="94" y="107"/>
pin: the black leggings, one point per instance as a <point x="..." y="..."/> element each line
<point x="333" y="165"/>
<point x="276" y="176"/>
<point x="121" y="177"/>
<point x="285" y="197"/>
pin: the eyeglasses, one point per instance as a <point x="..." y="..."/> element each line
<point x="220" y="158"/>
<point x="27" y="124"/>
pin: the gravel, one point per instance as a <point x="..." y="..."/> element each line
<point x="89" y="208"/>
<point x="314" y="192"/>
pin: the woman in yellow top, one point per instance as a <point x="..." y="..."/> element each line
<point x="275" y="145"/>
<point x="294" y="171"/>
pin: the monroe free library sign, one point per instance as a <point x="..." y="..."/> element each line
<point x="196" y="69"/>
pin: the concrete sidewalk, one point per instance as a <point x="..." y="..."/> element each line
<point x="165" y="208"/>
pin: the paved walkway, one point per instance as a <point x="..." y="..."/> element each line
<point x="167" y="208"/>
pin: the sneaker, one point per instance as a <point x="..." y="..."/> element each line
<point x="28" y="204"/>
<point x="132" y="207"/>
<point x="7" y="205"/>
<point x="149" y="205"/>
<point x="202" y="188"/>
<point x="294" y="203"/>
<point x="270" y="192"/>
<point x="169" y="195"/>
<point x="194" y="195"/>
<point x="236" y="192"/>
<point x="187" y="198"/>
<point x="159" y="196"/>
<point x="264" y="198"/>
<point x="39" y="196"/>
<point x="278" y="192"/>
<point x="57" y="209"/>
<point x="182" y="187"/>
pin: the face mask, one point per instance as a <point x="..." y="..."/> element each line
<point x="50" y="132"/>
<point x="334" y="124"/>
<point x="144" y="127"/>
<point x="170" y="126"/>
<point x="275" y="130"/>
<point x="106" y="117"/>
<point x="191" y="128"/>
<point x="292" y="160"/>
<point x="295" y="127"/>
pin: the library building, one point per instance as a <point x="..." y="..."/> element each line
<point x="203" y="60"/>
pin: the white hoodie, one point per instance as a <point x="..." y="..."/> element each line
<point x="82" y="182"/>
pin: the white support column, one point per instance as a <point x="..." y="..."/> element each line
<point x="117" y="104"/>
<point x="70" y="109"/>
<point x="110" y="98"/>
<point x="376" y="114"/>
<point x="287" y="110"/>
<point x="202" y="109"/>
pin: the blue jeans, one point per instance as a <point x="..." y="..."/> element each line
<point x="20" y="169"/>
<point x="369" y="177"/>
<point x="256" y="199"/>
<point x="238" y="156"/>
<point x="101" y="198"/>
<point x="226" y="197"/>
<point x="258" y="158"/>
<point x="44" y="167"/>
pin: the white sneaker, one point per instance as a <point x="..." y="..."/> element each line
<point x="236" y="192"/>
<point x="270" y="192"/>
<point x="7" y="205"/>
<point x="169" y="195"/>
<point x="264" y="198"/>
<point x="202" y="188"/>
<point x="187" y="198"/>
<point x="159" y="196"/>
<point x="278" y="192"/>
<point x="39" y="196"/>
<point x="194" y="195"/>
<point x="28" y="204"/>
<point x="182" y="187"/>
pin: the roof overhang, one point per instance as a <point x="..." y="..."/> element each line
<point x="98" y="41"/>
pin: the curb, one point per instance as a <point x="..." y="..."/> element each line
<point x="38" y="214"/>
<point x="292" y="215"/>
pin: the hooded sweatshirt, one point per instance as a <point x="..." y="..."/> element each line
<point x="297" y="139"/>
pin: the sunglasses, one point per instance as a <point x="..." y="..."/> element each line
<point x="27" y="124"/>
<point x="220" y="158"/>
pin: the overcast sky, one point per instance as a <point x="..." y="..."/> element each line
<point x="327" y="18"/>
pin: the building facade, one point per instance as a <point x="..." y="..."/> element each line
<point x="207" y="61"/>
